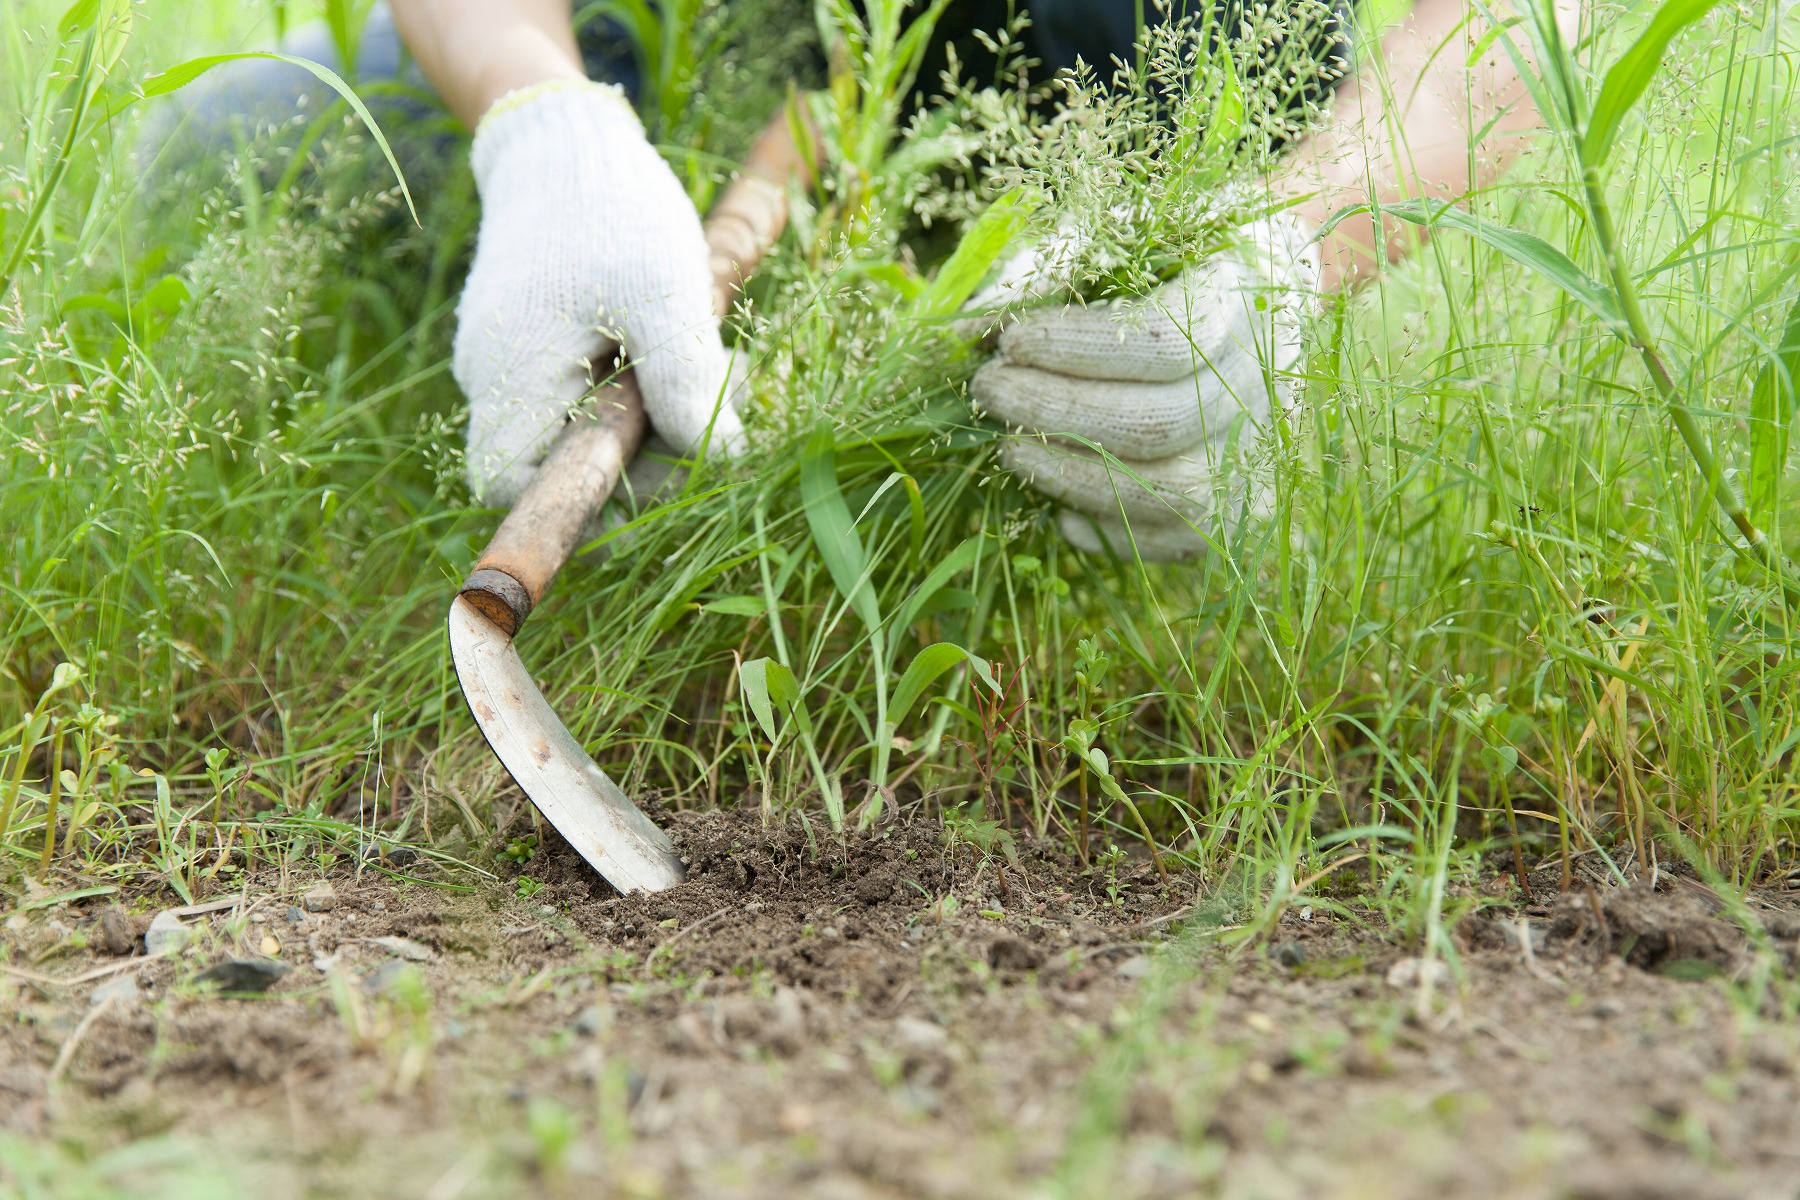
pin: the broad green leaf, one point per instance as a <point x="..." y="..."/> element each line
<point x="1772" y="405"/>
<point x="78" y="17"/>
<point x="167" y="295"/>
<point x="898" y="276"/>
<point x="1526" y="249"/>
<point x="1627" y="78"/>
<point x="974" y="256"/>
<point x="769" y="688"/>
<point x="94" y="300"/>
<point x="182" y="74"/>
<point x="834" y="533"/>
<point x="925" y="667"/>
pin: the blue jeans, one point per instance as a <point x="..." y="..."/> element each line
<point x="256" y="97"/>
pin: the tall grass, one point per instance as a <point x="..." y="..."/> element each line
<point x="1493" y="613"/>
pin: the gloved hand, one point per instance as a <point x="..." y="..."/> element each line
<point x="1163" y="383"/>
<point x="587" y="241"/>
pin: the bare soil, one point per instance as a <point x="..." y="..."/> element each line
<point x="887" y="1017"/>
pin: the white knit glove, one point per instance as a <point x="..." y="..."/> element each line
<point x="1165" y="384"/>
<point x="587" y="241"/>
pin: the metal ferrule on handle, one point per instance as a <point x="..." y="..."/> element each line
<point x="546" y="524"/>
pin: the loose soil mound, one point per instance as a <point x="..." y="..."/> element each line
<point x="892" y="1016"/>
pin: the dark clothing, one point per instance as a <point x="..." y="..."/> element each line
<point x="1102" y="34"/>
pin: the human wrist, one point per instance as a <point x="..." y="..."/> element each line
<point x="557" y="119"/>
<point x="524" y="59"/>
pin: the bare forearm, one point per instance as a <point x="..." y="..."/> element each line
<point x="476" y="51"/>
<point x="1403" y="127"/>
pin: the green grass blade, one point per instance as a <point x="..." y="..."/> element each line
<point x="182" y="74"/>
<point x="1627" y="78"/>
<point x="834" y="533"/>
<point x="1528" y="250"/>
<point x="1772" y="404"/>
<point x="973" y="258"/>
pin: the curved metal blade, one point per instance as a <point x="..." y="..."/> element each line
<point x="544" y="758"/>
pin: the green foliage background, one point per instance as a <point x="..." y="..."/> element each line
<point x="1493" y="610"/>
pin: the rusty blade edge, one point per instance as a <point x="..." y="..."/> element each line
<point x="544" y="759"/>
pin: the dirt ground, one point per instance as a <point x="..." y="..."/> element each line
<point x="887" y="1018"/>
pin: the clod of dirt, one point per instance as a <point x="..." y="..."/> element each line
<point x="244" y="974"/>
<point x="117" y="937"/>
<point x="322" y="898"/>
<point x="166" y="935"/>
<point x="875" y="888"/>
<point x="923" y="1049"/>
<point x="1649" y="930"/>
<point x="1014" y="954"/>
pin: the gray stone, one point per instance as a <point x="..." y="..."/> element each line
<point x="244" y="974"/>
<point x="116" y="934"/>
<point x="1412" y="972"/>
<point x="924" y="1051"/>
<point x="389" y="973"/>
<point x="1135" y="967"/>
<point x="122" y="992"/>
<point x="405" y="948"/>
<point x="322" y="898"/>
<point x="166" y="935"/>
<point x="387" y="856"/>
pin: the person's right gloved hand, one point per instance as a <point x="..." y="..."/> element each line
<point x="1160" y="383"/>
<point x="587" y="241"/>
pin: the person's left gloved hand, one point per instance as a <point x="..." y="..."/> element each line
<point x="1162" y="384"/>
<point x="587" y="240"/>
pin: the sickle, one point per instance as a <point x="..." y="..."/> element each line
<point x="543" y="529"/>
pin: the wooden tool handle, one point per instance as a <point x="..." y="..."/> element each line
<point x="590" y="454"/>
<point x="545" y="526"/>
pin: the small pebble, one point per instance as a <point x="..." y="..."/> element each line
<point x="294" y="915"/>
<point x="122" y="991"/>
<point x="389" y="973"/>
<point x="322" y="898"/>
<point x="1288" y="954"/>
<point x="244" y="974"/>
<point x="404" y="948"/>
<point x="166" y="935"/>
<point x="1135" y="967"/>
<point x="592" y="1021"/>
<point x="387" y="856"/>
<point x="1408" y="972"/>
<point x="116" y="936"/>
<point x="270" y="946"/>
